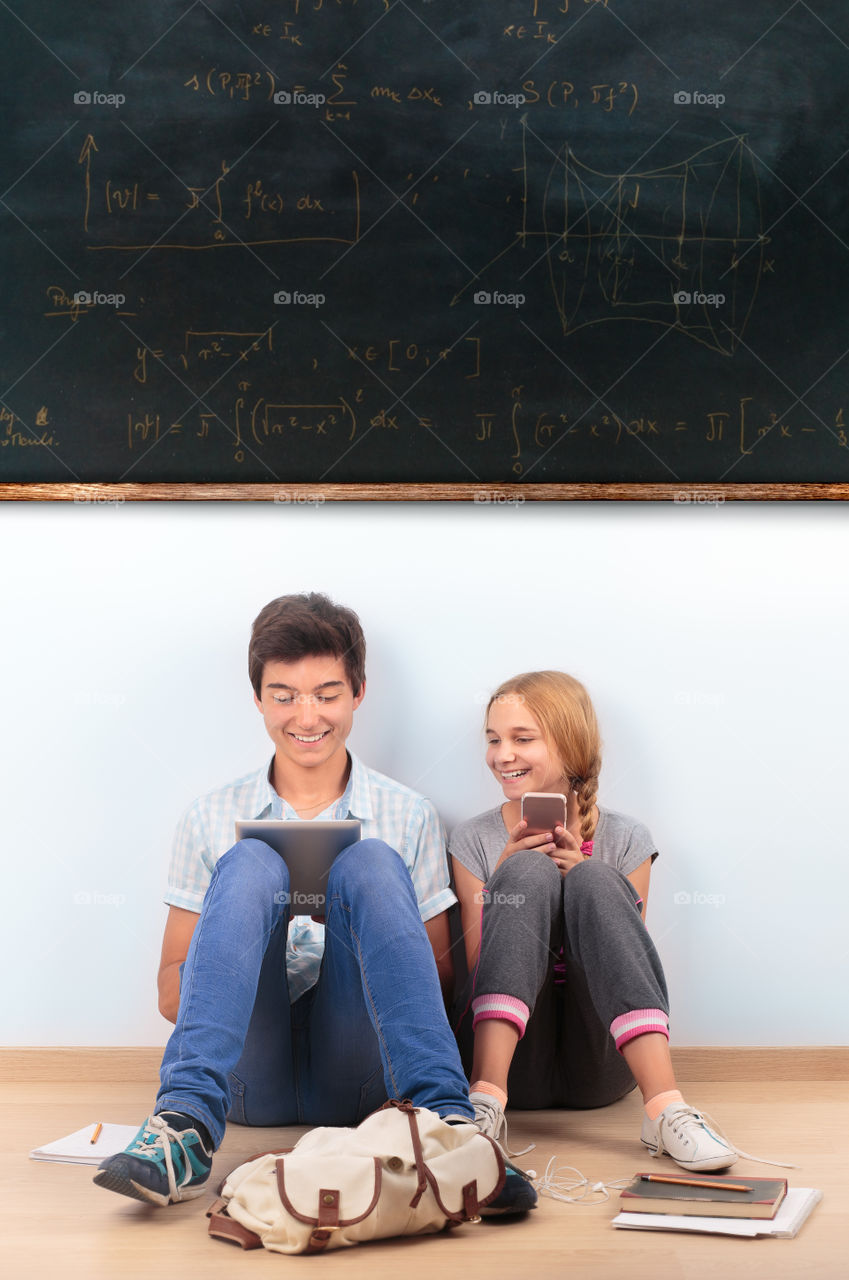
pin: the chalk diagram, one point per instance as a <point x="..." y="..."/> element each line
<point x="659" y="246"/>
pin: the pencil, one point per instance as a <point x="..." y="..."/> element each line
<point x="689" y="1182"/>
<point x="96" y="1133"/>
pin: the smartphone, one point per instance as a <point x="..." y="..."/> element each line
<point x="543" y="811"/>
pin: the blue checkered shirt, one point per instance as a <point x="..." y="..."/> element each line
<point x="387" y="810"/>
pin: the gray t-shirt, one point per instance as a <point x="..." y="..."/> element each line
<point x="619" y="840"/>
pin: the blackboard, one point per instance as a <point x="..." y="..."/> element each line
<point x="345" y="241"/>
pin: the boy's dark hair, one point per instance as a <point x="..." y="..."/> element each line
<point x="300" y="626"/>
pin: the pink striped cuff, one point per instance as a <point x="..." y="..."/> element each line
<point x="508" y="1008"/>
<point x="636" y="1023"/>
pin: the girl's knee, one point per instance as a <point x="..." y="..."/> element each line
<point x="593" y="867"/>
<point x="526" y="870"/>
<point x="595" y="879"/>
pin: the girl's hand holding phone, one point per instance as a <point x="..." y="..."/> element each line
<point x="541" y="840"/>
<point x="566" y="852"/>
<point x="563" y="849"/>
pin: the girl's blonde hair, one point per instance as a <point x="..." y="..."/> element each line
<point x="561" y="706"/>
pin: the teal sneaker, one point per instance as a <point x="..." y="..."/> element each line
<point x="162" y="1165"/>
<point x="518" y="1195"/>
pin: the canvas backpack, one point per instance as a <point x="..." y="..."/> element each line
<point x="403" y="1171"/>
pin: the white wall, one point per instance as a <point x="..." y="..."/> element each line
<point x="713" y="640"/>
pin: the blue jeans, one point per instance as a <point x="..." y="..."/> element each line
<point x="374" y="1025"/>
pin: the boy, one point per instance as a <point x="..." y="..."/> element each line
<point x="307" y="1024"/>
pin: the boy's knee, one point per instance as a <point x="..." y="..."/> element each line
<point x="254" y="865"/>
<point x="369" y="863"/>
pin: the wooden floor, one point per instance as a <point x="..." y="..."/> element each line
<point x="56" y="1222"/>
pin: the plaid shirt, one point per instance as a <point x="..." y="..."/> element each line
<point x="387" y="810"/>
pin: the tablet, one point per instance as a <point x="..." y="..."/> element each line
<point x="309" y="850"/>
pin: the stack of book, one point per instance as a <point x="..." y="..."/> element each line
<point x="718" y="1204"/>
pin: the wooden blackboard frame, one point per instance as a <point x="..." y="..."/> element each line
<point x="478" y="494"/>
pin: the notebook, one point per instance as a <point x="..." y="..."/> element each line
<point x="78" y="1148"/>
<point x="717" y="1197"/>
<point x="796" y="1208"/>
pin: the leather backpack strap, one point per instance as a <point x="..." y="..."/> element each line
<point x="328" y="1220"/>
<point x="423" y="1173"/>
<point x="471" y="1208"/>
<point x="223" y="1227"/>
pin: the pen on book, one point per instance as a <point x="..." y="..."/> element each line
<point x="96" y="1133"/>
<point x="689" y="1182"/>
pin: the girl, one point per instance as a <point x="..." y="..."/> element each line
<point x="568" y="999"/>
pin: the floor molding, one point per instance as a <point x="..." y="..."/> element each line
<point x="141" y="1064"/>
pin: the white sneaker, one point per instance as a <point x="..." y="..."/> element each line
<point x="491" y="1120"/>
<point x="683" y="1133"/>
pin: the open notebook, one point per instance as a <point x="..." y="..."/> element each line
<point x="78" y="1147"/>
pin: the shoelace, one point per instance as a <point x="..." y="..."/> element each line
<point x="680" y="1116"/>
<point x="493" y="1123"/>
<point x="159" y="1134"/>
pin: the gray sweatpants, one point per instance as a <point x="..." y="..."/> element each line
<point x="567" y="1056"/>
